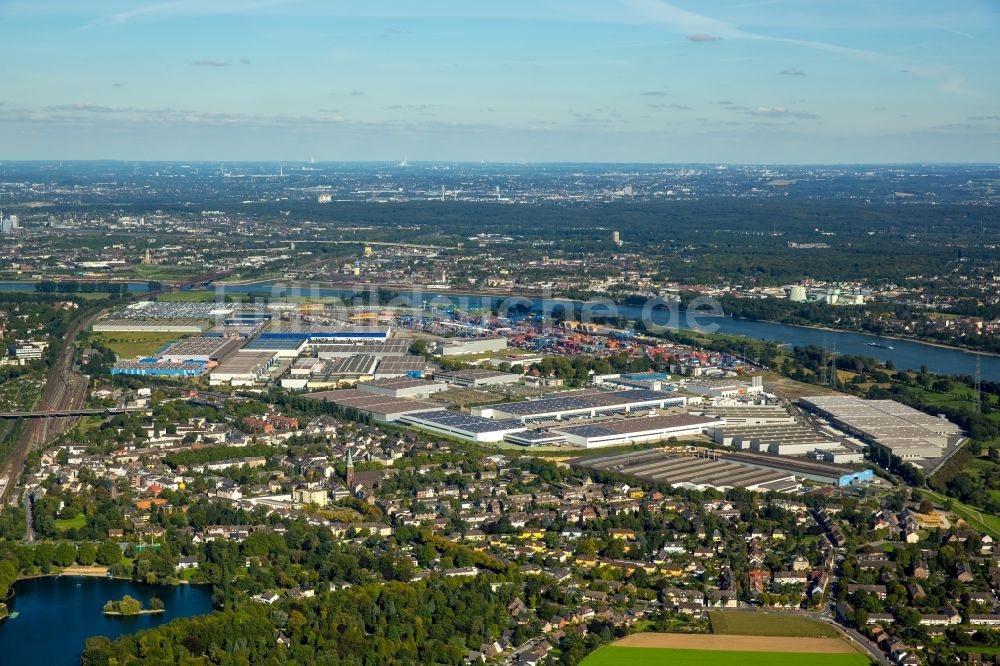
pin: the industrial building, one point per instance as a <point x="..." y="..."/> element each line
<point x="463" y="426"/>
<point x="151" y="367"/>
<point x="111" y="325"/>
<point x="783" y="439"/>
<point x="342" y="350"/>
<point x="463" y="346"/>
<point x="318" y="333"/>
<point x="539" y="437"/>
<point x="901" y="430"/>
<point x="748" y="415"/>
<point x="202" y="349"/>
<point x="403" y="388"/>
<point x="397" y="366"/>
<point x="283" y="347"/>
<point x="636" y="430"/>
<point x="652" y="381"/>
<point x="243" y="369"/>
<point x="820" y="472"/>
<point x="694" y="472"/>
<point x="581" y="404"/>
<point x="725" y="388"/>
<point x="378" y="407"/>
<point x="476" y="377"/>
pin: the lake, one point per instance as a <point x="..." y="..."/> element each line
<point x="57" y="614"/>
<point x="905" y="354"/>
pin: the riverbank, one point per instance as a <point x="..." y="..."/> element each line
<point x="74" y="570"/>
<point x="882" y="336"/>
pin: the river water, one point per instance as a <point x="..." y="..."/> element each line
<point x="905" y="354"/>
<point x="57" y="614"/>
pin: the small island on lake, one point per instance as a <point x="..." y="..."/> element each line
<point x="129" y="605"/>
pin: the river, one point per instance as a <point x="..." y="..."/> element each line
<point x="905" y="354"/>
<point x="58" y="613"/>
<point x="29" y="285"/>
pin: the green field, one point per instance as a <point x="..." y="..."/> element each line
<point x="613" y="655"/>
<point x="984" y="522"/>
<point x="130" y="345"/>
<point x="193" y="296"/>
<point x="63" y="524"/>
<point x="768" y="624"/>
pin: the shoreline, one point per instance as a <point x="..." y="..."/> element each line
<point x="144" y="611"/>
<point x="534" y="294"/>
<point x="918" y="341"/>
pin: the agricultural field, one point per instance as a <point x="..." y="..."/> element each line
<point x="129" y="345"/>
<point x="697" y="649"/>
<point x="768" y="624"/>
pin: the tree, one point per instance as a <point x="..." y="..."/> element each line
<point x="109" y="554"/>
<point x="65" y="554"/>
<point x="86" y="554"/>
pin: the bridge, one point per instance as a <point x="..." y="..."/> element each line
<point x="58" y="413"/>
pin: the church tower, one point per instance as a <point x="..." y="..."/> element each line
<point x="350" y="470"/>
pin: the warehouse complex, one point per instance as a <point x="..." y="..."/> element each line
<point x="378" y="407"/>
<point x="581" y="403"/>
<point x="693" y="472"/>
<point x="463" y="426"/>
<point x="901" y="430"/>
<point x="635" y="431"/>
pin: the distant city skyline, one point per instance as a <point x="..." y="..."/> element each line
<point x="755" y="81"/>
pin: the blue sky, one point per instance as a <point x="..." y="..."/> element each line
<point x="753" y="81"/>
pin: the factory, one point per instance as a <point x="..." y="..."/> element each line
<point x="901" y="430"/>
<point x="749" y="415"/>
<point x="725" y="388"/>
<point x="638" y="430"/>
<point x="692" y="472"/>
<point x="282" y="347"/>
<point x="403" y="388"/>
<point x="390" y="348"/>
<point x="316" y="333"/>
<point x="477" y="377"/>
<point x="381" y="408"/>
<point x="463" y="346"/>
<point x="651" y="381"/>
<point x="463" y="426"/>
<point x="811" y="470"/>
<point x="151" y="367"/>
<point x="203" y="349"/>
<point x="244" y="369"/>
<point x="783" y="439"/>
<point x="399" y="366"/>
<point x="580" y="404"/>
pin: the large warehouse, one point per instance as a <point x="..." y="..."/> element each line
<point x="283" y="347"/>
<point x="905" y="432"/>
<point x="403" y="388"/>
<point x="379" y="407"/>
<point x="635" y="431"/>
<point x="697" y="473"/>
<point x="243" y="369"/>
<point x="342" y="350"/>
<point x="475" y="377"/>
<point x="316" y="333"/>
<point x="460" y="346"/>
<point x="580" y="403"/>
<point x="199" y="349"/>
<point x="783" y="439"/>
<point x="463" y="426"/>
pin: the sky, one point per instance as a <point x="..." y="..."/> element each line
<point x="741" y="81"/>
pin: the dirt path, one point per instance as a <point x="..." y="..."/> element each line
<point x="734" y="643"/>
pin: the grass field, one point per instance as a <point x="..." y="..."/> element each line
<point x="130" y="345"/>
<point x="63" y="524"/>
<point x="613" y="655"/>
<point x="983" y="522"/>
<point x="193" y="296"/>
<point x="768" y="624"/>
